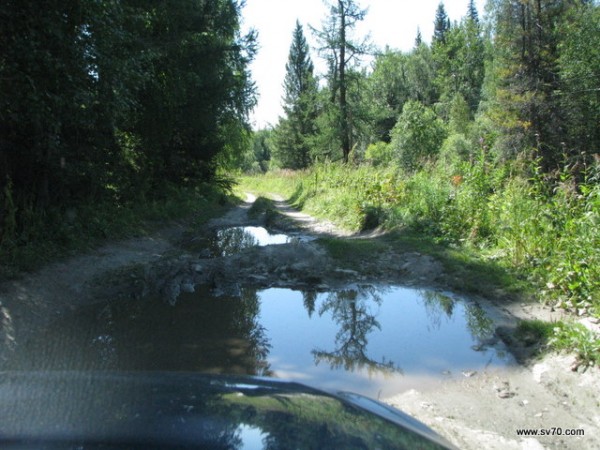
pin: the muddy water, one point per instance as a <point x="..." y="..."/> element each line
<point x="372" y="340"/>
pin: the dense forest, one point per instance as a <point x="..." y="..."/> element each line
<point x="107" y="104"/>
<point x="523" y="80"/>
<point x="487" y="138"/>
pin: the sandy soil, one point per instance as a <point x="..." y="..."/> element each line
<point x="480" y="410"/>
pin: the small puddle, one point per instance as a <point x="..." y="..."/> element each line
<point x="377" y="341"/>
<point x="230" y="241"/>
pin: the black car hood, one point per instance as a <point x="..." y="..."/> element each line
<point x="182" y="410"/>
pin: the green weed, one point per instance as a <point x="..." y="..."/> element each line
<point x="574" y="337"/>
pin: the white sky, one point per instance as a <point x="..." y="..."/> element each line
<point x="389" y="22"/>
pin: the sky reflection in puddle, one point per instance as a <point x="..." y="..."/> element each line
<point x="376" y="341"/>
<point x="229" y="241"/>
<point x="372" y="340"/>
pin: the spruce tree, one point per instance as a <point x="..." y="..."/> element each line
<point x="418" y="38"/>
<point x="299" y="105"/>
<point x="472" y="12"/>
<point x="441" y="25"/>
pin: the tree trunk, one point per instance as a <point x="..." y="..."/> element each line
<point x="344" y="128"/>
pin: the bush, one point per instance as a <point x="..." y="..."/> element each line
<point x="379" y="153"/>
<point x="417" y="136"/>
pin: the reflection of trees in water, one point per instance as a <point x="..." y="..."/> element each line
<point x="247" y="323"/>
<point x="231" y="240"/>
<point x="199" y="333"/>
<point x="309" y="299"/>
<point x="350" y="309"/>
<point x="438" y="305"/>
<point x="478" y="323"/>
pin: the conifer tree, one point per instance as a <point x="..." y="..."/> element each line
<point x="299" y="105"/>
<point x="441" y="25"/>
<point x="472" y="12"/>
<point x="418" y="38"/>
<point x="341" y="50"/>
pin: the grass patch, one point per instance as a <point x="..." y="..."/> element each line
<point x="562" y="337"/>
<point x="284" y="183"/>
<point x="263" y="206"/>
<point x="534" y="332"/>
<point x="356" y="251"/>
<point x="574" y="337"/>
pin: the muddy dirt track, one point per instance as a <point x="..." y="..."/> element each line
<point x="476" y="410"/>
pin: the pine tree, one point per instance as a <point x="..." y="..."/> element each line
<point x="299" y="104"/>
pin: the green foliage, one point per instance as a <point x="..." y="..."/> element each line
<point x="534" y="331"/>
<point x="60" y="231"/>
<point x="420" y="75"/>
<point x="294" y="132"/>
<point x="460" y="65"/>
<point x="459" y="117"/>
<point x="455" y="150"/>
<point x="106" y="102"/>
<point x="417" y="136"/>
<point x="341" y="51"/>
<point x="441" y="24"/>
<point x="579" y="65"/>
<point x="379" y="153"/>
<point x="262" y="151"/>
<point x="578" y="339"/>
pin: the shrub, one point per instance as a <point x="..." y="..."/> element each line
<point x="417" y="136"/>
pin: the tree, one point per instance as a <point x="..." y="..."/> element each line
<point x="299" y="104"/>
<point x="389" y="90"/>
<point x="418" y="38"/>
<point x="472" y="13"/>
<point x="460" y="63"/>
<point x="579" y="68"/>
<point x="262" y="148"/>
<point x="417" y="136"/>
<point x="526" y="48"/>
<point x="441" y="25"/>
<point x="340" y="52"/>
<point x="420" y="75"/>
<point x="104" y="100"/>
<point x="200" y="90"/>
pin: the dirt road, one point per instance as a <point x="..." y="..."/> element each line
<point x="479" y="410"/>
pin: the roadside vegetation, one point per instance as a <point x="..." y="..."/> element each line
<point x="113" y="113"/>
<point x="482" y="147"/>
<point x="36" y="240"/>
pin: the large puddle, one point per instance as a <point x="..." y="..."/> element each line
<point x="377" y="341"/>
